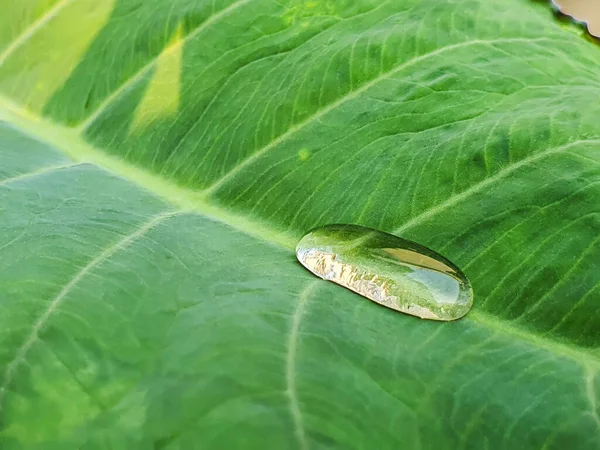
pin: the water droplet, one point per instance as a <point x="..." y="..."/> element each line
<point x="387" y="269"/>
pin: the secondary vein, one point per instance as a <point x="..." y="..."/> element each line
<point x="477" y="187"/>
<point x="132" y="80"/>
<point x="33" y="28"/>
<point x="346" y="98"/>
<point x="290" y="367"/>
<point x="33" y="336"/>
<point x="35" y="173"/>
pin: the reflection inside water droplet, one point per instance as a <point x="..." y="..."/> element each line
<point x="389" y="270"/>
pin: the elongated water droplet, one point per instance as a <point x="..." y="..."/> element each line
<point x="387" y="269"/>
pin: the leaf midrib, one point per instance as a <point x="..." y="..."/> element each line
<point x="72" y="145"/>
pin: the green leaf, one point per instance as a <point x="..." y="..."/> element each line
<point x="159" y="160"/>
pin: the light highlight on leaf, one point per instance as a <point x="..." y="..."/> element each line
<point x="161" y="99"/>
<point x="35" y="79"/>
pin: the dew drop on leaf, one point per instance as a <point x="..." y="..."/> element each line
<point x="394" y="272"/>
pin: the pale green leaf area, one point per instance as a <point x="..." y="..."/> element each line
<point x="160" y="159"/>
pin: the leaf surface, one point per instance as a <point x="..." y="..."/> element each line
<point x="158" y="161"/>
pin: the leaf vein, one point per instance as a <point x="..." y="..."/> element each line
<point x="150" y="64"/>
<point x="590" y="376"/>
<point x="290" y="367"/>
<point x="37" y="172"/>
<point x="477" y="187"/>
<point x="33" y="28"/>
<point x="33" y="336"/>
<point x="348" y="97"/>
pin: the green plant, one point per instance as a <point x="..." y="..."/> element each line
<point x="159" y="160"/>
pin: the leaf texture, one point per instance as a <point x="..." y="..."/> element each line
<point x="158" y="161"/>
